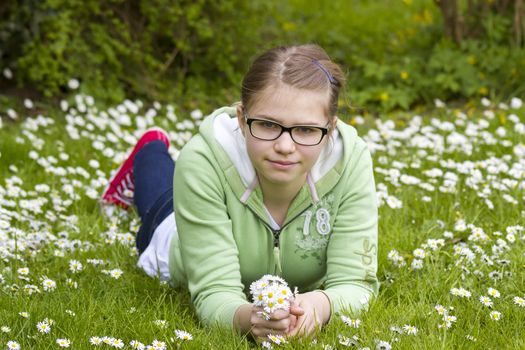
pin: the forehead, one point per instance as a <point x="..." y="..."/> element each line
<point x="289" y="106"/>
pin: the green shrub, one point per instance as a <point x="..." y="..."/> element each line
<point x="397" y="56"/>
<point x="152" y="48"/>
<point x="195" y="52"/>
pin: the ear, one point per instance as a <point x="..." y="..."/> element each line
<point x="240" y="118"/>
<point x="333" y="125"/>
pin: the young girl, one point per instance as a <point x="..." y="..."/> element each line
<point x="275" y="185"/>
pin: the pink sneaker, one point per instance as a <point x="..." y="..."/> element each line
<point x="122" y="184"/>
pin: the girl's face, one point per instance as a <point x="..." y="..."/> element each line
<point x="282" y="161"/>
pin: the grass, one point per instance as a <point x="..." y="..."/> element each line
<point x="67" y="225"/>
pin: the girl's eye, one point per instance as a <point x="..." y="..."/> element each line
<point x="268" y="125"/>
<point x="305" y="130"/>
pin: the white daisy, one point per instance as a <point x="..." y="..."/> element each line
<point x="493" y="293"/>
<point x="183" y="335"/>
<point x="43" y="327"/>
<point x="410" y="330"/>
<point x="495" y="315"/>
<point x="13" y="345"/>
<point x="75" y="266"/>
<point x="485" y="301"/>
<point x="441" y="310"/>
<point x="158" y="345"/>
<point x="117" y="343"/>
<point x="63" y="343"/>
<point x="135" y="344"/>
<point x="519" y="301"/>
<point x="95" y="340"/>
<point x="277" y="339"/>
<point x="48" y="285"/>
<point x="354" y="323"/>
<point x="383" y="345"/>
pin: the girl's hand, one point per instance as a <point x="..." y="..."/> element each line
<point x="312" y="311"/>
<point x="278" y="324"/>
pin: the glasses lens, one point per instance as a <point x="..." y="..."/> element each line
<point x="265" y="130"/>
<point x="305" y="135"/>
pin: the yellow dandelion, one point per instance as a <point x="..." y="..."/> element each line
<point x="483" y="90"/>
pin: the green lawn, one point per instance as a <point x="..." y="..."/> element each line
<point x="451" y="183"/>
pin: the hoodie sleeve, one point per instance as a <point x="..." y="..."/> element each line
<point x="352" y="251"/>
<point x="208" y="249"/>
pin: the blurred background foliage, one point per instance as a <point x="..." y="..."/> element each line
<point x="398" y="54"/>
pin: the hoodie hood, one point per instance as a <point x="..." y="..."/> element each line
<point x="222" y="133"/>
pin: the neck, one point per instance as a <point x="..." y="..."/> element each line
<point x="279" y="196"/>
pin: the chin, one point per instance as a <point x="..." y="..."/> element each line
<point x="281" y="179"/>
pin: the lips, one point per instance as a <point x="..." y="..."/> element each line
<point x="283" y="165"/>
<point x="280" y="162"/>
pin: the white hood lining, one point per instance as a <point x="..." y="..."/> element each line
<point x="228" y="134"/>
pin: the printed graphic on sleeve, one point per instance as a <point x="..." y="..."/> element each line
<point x="368" y="256"/>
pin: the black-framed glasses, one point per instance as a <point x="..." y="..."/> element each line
<point x="305" y="135"/>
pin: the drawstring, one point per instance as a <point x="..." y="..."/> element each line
<point x="311" y="185"/>
<point x="249" y="190"/>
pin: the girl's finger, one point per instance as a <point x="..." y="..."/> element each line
<point x="281" y="325"/>
<point x="279" y="315"/>
<point x="299" y="326"/>
<point x="293" y="322"/>
<point x="296" y="310"/>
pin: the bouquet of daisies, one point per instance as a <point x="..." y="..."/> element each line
<point x="271" y="293"/>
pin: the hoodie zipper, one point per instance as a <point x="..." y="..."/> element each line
<point x="277" y="233"/>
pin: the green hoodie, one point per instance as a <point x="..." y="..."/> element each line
<point x="225" y="238"/>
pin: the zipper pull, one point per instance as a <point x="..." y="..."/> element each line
<point x="276" y="234"/>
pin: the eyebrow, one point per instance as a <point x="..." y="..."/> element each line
<point x="270" y="118"/>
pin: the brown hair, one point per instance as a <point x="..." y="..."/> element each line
<point x="300" y="66"/>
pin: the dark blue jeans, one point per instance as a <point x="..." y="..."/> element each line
<point x="153" y="170"/>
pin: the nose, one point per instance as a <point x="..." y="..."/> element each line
<point x="284" y="144"/>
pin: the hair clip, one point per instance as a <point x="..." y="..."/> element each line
<point x="325" y="71"/>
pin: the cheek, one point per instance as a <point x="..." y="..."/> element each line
<point x="315" y="152"/>
<point x="255" y="149"/>
<point x="311" y="154"/>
